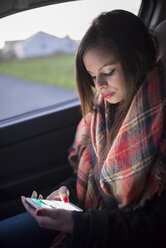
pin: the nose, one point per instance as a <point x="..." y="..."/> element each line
<point x="100" y="82"/>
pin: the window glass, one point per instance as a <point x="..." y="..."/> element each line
<point x="37" y="52"/>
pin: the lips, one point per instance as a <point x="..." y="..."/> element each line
<point x="108" y="95"/>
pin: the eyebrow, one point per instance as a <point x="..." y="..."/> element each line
<point x="109" y="63"/>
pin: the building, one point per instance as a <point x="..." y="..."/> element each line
<point x="39" y="44"/>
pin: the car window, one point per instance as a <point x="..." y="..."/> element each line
<point x="37" y="53"/>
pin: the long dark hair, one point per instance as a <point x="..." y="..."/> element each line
<point x="135" y="46"/>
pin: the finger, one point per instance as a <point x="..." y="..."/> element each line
<point x="54" y="197"/>
<point x="40" y="197"/>
<point x="23" y="201"/>
<point x="34" y="194"/>
<point x="44" y="212"/>
<point x="29" y="209"/>
<point x="64" y="194"/>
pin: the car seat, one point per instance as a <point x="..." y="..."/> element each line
<point x="161" y="35"/>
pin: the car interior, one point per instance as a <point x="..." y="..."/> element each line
<point x="34" y="145"/>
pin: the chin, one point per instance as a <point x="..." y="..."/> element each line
<point x="113" y="101"/>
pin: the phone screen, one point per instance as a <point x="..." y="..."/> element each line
<point x="35" y="203"/>
<point x="41" y="203"/>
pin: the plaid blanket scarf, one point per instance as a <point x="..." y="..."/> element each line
<point x="135" y="166"/>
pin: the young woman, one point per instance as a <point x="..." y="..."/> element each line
<point x="119" y="152"/>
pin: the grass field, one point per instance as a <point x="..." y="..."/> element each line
<point x="55" y="70"/>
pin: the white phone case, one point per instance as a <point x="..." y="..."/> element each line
<point x="36" y="203"/>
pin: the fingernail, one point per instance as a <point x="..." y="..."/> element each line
<point x="38" y="212"/>
<point x="65" y="200"/>
<point x="40" y="196"/>
<point x="34" y="194"/>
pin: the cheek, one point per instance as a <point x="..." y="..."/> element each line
<point x="118" y="83"/>
<point x="121" y="84"/>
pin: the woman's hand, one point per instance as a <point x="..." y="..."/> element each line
<point x="61" y="194"/>
<point x="55" y="219"/>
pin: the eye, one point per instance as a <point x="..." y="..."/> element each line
<point x="109" y="73"/>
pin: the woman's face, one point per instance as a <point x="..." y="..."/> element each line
<point x="106" y="71"/>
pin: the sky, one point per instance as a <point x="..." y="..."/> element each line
<point x="72" y="18"/>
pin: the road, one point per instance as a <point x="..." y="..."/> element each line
<point x="18" y="96"/>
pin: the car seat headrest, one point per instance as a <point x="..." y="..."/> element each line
<point x="161" y="35"/>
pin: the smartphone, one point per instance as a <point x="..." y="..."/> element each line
<point x="41" y="203"/>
